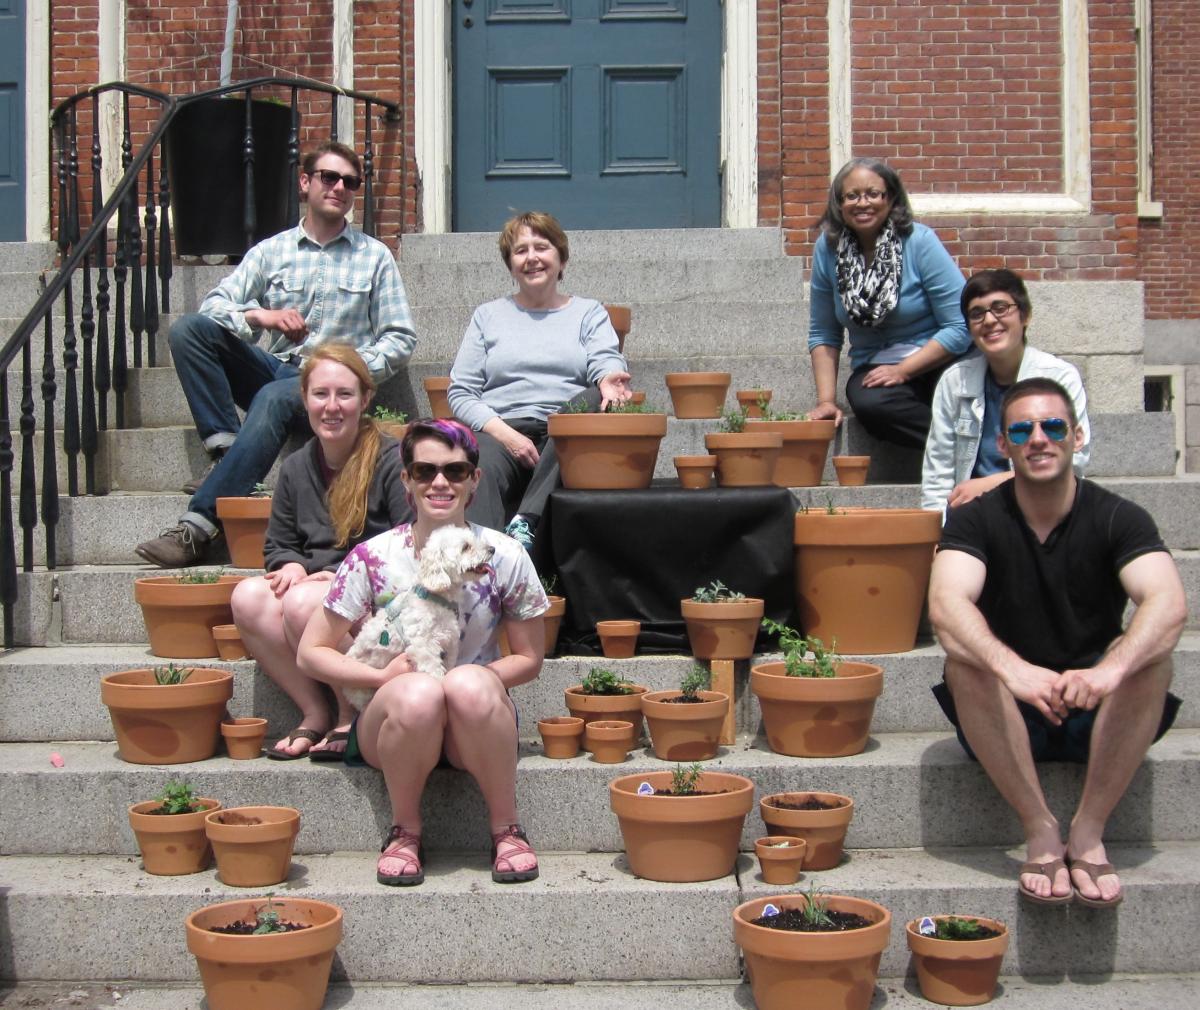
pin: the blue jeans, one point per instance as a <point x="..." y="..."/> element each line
<point x="220" y="372"/>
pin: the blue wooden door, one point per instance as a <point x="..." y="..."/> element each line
<point x="12" y="120"/>
<point x="606" y="113"/>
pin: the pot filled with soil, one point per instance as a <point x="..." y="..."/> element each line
<point x="957" y="957"/>
<point x="697" y="394"/>
<point x="609" y="740"/>
<point x="618" y="639"/>
<point x="170" y="831"/>
<point x="780" y="858"/>
<point x="561" y="736"/>
<point x="721" y="623"/>
<point x="821" y="819"/>
<point x="180" y="612"/>
<point x="253" y="845"/>
<point x="244" y="521"/>
<point x="613" y="450"/>
<point x="685" y="725"/>
<point x="695" y="472"/>
<point x="168" y="715"/>
<point x="244" y="737"/>
<point x="604" y="695"/>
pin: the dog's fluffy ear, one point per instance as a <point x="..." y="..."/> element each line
<point x="435" y="578"/>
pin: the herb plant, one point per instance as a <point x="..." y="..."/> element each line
<point x="549" y="583"/>
<point x="267" y="918"/>
<point x="629" y="407"/>
<point x="171" y="674"/>
<point x="814" y="910"/>
<point x="605" y="682"/>
<point x="261" y="490"/>
<point x="716" y="592"/>
<point x="199" y="578"/>
<point x="733" y="420"/>
<point x="695" y="680"/>
<point x="796" y="649"/>
<point x="954" y="928"/>
<point x="382" y="413"/>
<point x="685" y="780"/>
<point x="179" y="798"/>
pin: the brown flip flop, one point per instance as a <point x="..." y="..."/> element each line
<point x="1047" y="870"/>
<point x="329" y="756"/>
<point x="299" y="733"/>
<point x="1094" y="870"/>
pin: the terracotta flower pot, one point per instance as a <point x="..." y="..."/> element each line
<point x="685" y="731"/>
<point x="435" y="388"/>
<point x="698" y="394"/>
<point x="789" y="970"/>
<point x="397" y="429"/>
<point x="275" y="971"/>
<point x="254" y="855"/>
<point x="172" y="844"/>
<point x="723" y="630"/>
<point x="561" y="736"/>
<point x="590" y="707"/>
<point x="695" y="472"/>
<point x="244" y="737"/>
<point x="744" y="459"/>
<point x="166" y="724"/>
<point x="618" y="639"/>
<point x="681" y="838"/>
<point x="230" y="646"/>
<point x="180" y="616"/>
<point x="597" y="451"/>
<point x="801" y="459"/>
<point x="551" y="623"/>
<point x="958" y="972"/>
<point x="637" y="397"/>
<point x="244" y="521"/>
<point x="817" y="716"/>
<point x="861" y="576"/>
<point x="749" y="398"/>
<point x="851" y="470"/>
<point x="824" y="831"/>
<point x="609" y="740"/>
<point x="780" y="858"/>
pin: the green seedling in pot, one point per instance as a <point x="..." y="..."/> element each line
<point x="697" y="679"/>
<point x="716" y="592"/>
<point x="629" y="407"/>
<point x="179" y="798"/>
<point x="261" y="490"/>
<point x="382" y="413"/>
<point x="814" y="911"/>
<point x="199" y="578"/>
<point x="549" y="583"/>
<point x="796" y="649"/>
<point x="605" y="682"/>
<point x="267" y="918"/>
<point x="954" y="928"/>
<point x="171" y="674"/>
<point x="685" y="781"/>
<point x="733" y="420"/>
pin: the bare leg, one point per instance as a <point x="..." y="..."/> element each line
<point x="1124" y="729"/>
<point x="298" y="605"/>
<point x="994" y="728"/>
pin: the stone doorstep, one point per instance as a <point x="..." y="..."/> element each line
<point x="550" y="925"/>
<point x="909" y="790"/>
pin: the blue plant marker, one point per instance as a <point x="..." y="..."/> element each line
<point x="384" y="637"/>
<point x="769" y="909"/>
<point x="927" y="927"/>
<point x="645" y="789"/>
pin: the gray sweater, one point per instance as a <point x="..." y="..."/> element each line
<point x="300" y="529"/>
<point x="514" y="362"/>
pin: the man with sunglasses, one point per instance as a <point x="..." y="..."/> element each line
<point x="320" y="282"/>
<point x="1027" y="597"/>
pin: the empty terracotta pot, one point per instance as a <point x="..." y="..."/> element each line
<point x="618" y="639"/>
<point x="749" y="398"/>
<point x="780" y="858"/>
<point x="695" y="472"/>
<point x="244" y="521"/>
<point x="561" y="736"/>
<point x="851" y="470"/>
<point x="609" y="740"/>
<point x="698" y="394"/>
<point x="244" y="737"/>
<point x="435" y="388"/>
<point x="230" y="646"/>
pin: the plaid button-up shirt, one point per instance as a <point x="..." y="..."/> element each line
<point x="348" y="290"/>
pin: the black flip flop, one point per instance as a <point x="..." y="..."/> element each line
<point x="299" y="733"/>
<point x="329" y="756"/>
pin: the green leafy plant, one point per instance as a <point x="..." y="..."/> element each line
<point x="382" y="413"/>
<point x="954" y="928"/>
<point x="549" y="583"/>
<point x="695" y="680"/>
<point x="261" y="490"/>
<point x="179" y="798"/>
<point x="733" y="420"/>
<point x="199" y="578"/>
<point x="600" y="681"/>
<point x="577" y="406"/>
<point x="171" y="674"/>
<point x="814" y="910"/>
<point x="267" y="918"/>
<point x="629" y="407"/>
<point x="685" y="780"/>
<point x="796" y="649"/>
<point x="716" y="592"/>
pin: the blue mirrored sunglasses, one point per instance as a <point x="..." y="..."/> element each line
<point x="1054" y="428"/>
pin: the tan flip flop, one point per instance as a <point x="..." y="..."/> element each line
<point x="1094" y="870"/>
<point x="1048" y="870"/>
<point x="299" y="733"/>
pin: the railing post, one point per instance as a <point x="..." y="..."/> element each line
<point x="166" y="268"/>
<point x="103" y="375"/>
<point x="28" y="508"/>
<point x="151" y="271"/>
<point x="87" y="328"/>
<point x="8" y="547"/>
<point x="333" y="117"/>
<point x="249" y="219"/>
<point x="368" y="224"/>
<point x="293" y="204"/>
<point x="50" y="510"/>
<point x="73" y="175"/>
<point x="71" y="402"/>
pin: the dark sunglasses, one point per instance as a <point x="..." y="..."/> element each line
<point x="455" y="472"/>
<point x="330" y="178"/>
<point x="1054" y="428"/>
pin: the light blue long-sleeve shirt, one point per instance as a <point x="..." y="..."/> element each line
<point x="927" y="309"/>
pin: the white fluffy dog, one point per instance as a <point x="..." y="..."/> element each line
<point x="424" y="622"/>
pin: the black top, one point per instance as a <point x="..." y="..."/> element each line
<point x="1058" y="604"/>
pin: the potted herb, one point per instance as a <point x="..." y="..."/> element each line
<point x="812" y="949"/>
<point x="615" y="449"/>
<point x="721" y="622"/>
<point x="437" y="388"/>
<point x="683" y="825"/>
<point x="745" y="457"/>
<point x="821" y="819"/>
<point x="957" y="957"/>
<point x="244" y="520"/>
<point x="272" y="956"/>
<point x="604" y="695"/>
<point x="168" y="715"/>
<point x="180" y="611"/>
<point x="170" y="830"/>
<point x="697" y="394"/>
<point x="685" y="725"/>
<point x="813" y="703"/>
<point x="780" y="858"/>
<point x="390" y="422"/>
<point x="801" y="459"/>
<point x="253" y="845"/>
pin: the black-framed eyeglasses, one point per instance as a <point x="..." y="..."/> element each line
<point x="330" y="178"/>
<point x="870" y="195"/>
<point x="998" y="309"/>
<point x="455" y="472"/>
<point x="1054" y="428"/>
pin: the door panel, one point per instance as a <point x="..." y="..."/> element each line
<point x="604" y="112"/>
<point x="12" y="120"/>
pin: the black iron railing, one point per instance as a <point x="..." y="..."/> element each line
<point x="121" y="314"/>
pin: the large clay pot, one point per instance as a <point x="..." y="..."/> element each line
<point x="780" y="858"/>
<point x="166" y="724"/>
<point x="958" y="972"/>
<point x="613" y="451"/>
<point x="244" y="521"/>
<point x="180" y="616"/>
<point x="724" y="630"/>
<point x="824" y="831"/>
<point x="698" y="394"/>
<point x="817" y="716"/>
<point x="254" y="855"/>
<point x="746" y="458"/>
<point x="789" y="970"/>
<point x="861" y="576"/>
<point x="172" y="844"/>
<point x="436" y="387"/>
<point x="801" y="459"/>
<point x="685" y="731"/>
<point x="682" y="838"/>
<point x="590" y="707"/>
<point x="275" y="971"/>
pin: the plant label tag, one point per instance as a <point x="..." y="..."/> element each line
<point x="769" y="909"/>
<point x="927" y="927"/>
<point x="645" y="789"/>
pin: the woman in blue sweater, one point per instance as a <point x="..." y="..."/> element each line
<point x="891" y="285"/>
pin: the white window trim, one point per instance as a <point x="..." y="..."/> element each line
<point x="1148" y="207"/>
<point x="37" y="121"/>
<point x="1076" y="197"/>
<point x="433" y="113"/>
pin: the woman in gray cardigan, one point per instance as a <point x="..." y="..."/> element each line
<point x="341" y="488"/>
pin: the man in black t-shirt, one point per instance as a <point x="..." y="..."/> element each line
<point x="1027" y="596"/>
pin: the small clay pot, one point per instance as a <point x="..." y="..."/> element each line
<point x="436" y="387"/>
<point x="695" y="472"/>
<point x="749" y="398"/>
<point x="244" y="737"/>
<point x="697" y="394"/>
<point x="780" y="858"/>
<point x="230" y="646"/>
<point x="561" y="736"/>
<point x="609" y="740"/>
<point x="851" y="470"/>
<point x="618" y="639"/>
<point x="637" y="397"/>
<point x="253" y="845"/>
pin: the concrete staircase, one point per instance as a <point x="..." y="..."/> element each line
<point x="929" y="834"/>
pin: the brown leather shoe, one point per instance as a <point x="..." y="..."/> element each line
<point x="178" y="547"/>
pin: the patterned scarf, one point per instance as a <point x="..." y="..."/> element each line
<point x="870" y="293"/>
